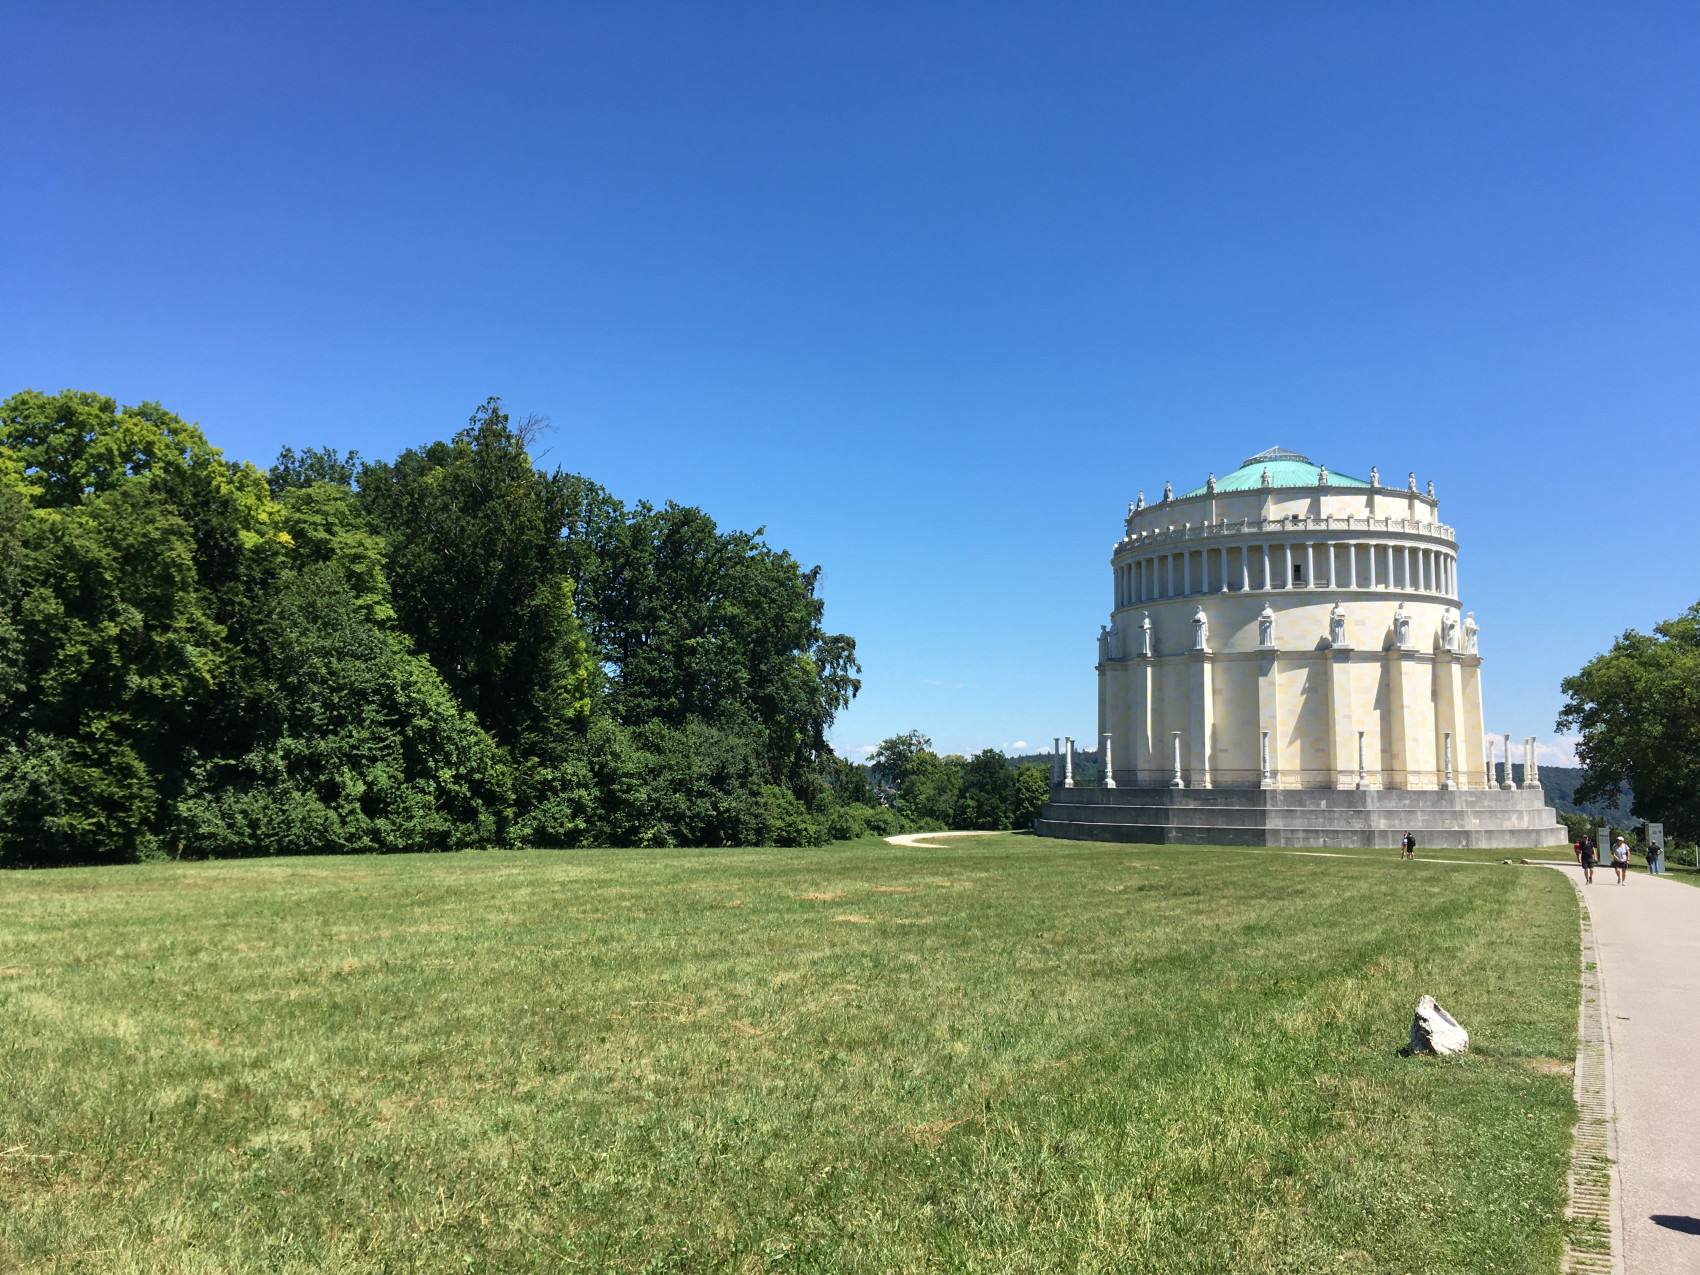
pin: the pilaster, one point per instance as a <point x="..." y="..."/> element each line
<point x="1450" y="718"/>
<point x="1342" y="722"/>
<point x="1147" y="766"/>
<point x="1401" y="683"/>
<point x="1472" y="726"/>
<point x="1200" y="717"/>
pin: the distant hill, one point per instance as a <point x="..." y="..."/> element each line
<point x="1559" y="783"/>
<point x="1085" y="764"/>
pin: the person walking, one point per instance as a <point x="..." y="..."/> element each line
<point x="1409" y="845"/>
<point x="1620" y="859"/>
<point x="1590" y="856"/>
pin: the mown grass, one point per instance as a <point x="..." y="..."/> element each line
<point x="1006" y="1055"/>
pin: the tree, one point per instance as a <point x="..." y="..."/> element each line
<point x="693" y="623"/>
<point x="74" y="444"/>
<point x="986" y="799"/>
<point x="478" y="578"/>
<point x="891" y="761"/>
<point x="312" y="465"/>
<point x="120" y="662"/>
<point x="358" y="746"/>
<point x="341" y="656"/>
<point x="929" y="790"/>
<point x="850" y="783"/>
<point x="1032" y="791"/>
<point x="1637" y="708"/>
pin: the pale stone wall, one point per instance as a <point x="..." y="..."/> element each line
<point x="1377" y="553"/>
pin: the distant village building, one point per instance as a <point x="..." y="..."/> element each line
<point x="1282" y="636"/>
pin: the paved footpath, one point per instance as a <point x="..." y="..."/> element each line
<point x="1648" y="936"/>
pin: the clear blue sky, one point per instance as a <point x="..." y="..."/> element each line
<point x="930" y="291"/>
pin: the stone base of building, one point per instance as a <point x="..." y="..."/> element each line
<point x="1379" y="819"/>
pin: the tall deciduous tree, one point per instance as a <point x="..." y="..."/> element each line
<point x="693" y="623"/>
<point x="478" y="577"/>
<point x="1637" y="708"/>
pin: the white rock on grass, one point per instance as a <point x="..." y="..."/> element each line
<point x="1434" y="1031"/>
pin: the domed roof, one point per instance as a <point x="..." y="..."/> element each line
<point x="1286" y="469"/>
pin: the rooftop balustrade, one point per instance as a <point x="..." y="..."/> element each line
<point x="1234" y="528"/>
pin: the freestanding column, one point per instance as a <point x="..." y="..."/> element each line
<point x="1449" y="784"/>
<point x="1487" y="750"/>
<point x="1245" y="567"/>
<point x="1351" y="566"/>
<point x="1265" y="551"/>
<point x="1531" y="767"/>
<point x="1508" y="785"/>
<point x="1266" y="782"/>
<point x="1177" y="781"/>
<point x="1360" y="759"/>
<point x="1056" y="759"/>
<point x="1109" y="780"/>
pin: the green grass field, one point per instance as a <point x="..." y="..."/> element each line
<point x="1007" y="1055"/>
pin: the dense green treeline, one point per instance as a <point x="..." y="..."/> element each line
<point x="455" y="648"/>
<point x="983" y="792"/>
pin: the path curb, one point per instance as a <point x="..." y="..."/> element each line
<point x="1596" y="1198"/>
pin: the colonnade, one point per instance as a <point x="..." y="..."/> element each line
<point x="1281" y="565"/>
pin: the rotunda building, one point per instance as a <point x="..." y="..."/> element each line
<point x="1281" y="637"/>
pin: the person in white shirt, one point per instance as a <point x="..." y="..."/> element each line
<point x="1620" y="859"/>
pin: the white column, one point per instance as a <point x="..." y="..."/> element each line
<point x="1266" y="782"/>
<point x="1351" y="565"/>
<point x="1109" y="768"/>
<point x="1056" y="760"/>
<point x="1245" y="568"/>
<point x="1266" y="581"/>
<point x="1310" y="563"/>
<point x="1532" y="769"/>
<point x="1186" y="573"/>
<point x="1449" y="785"/>
<point x="1508" y="785"/>
<point x="1487" y="760"/>
<point x="1360" y="759"/>
<point x="1177" y="781"/>
<point x="1068" y="761"/>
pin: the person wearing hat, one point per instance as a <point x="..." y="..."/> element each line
<point x="1620" y="859"/>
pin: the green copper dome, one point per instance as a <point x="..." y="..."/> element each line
<point x="1286" y="469"/>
